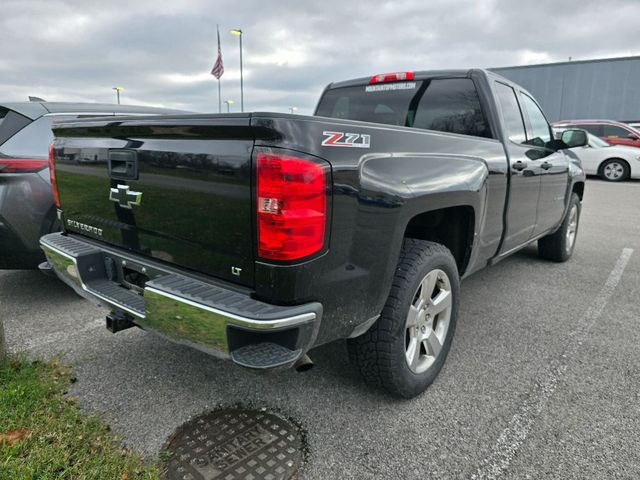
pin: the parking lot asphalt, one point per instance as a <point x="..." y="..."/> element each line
<point x="543" y="379"/>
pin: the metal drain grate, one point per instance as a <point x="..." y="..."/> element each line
<point x="235" y="444"/>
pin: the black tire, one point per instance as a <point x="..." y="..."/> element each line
<point x="380" y="353"/>
<point x="618" y="174"/>
<point x="556" y="246"/>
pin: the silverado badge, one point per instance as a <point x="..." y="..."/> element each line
<point x="124" y="197"/>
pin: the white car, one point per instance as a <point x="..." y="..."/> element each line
<point x="613" y="163"/>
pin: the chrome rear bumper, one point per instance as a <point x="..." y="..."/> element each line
<point x="205" y="315"/>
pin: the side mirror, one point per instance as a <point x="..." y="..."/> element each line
<point x="633" y="136"/>
<point x="574" y="138"/>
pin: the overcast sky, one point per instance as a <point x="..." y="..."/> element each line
<point x="162" y="52"/>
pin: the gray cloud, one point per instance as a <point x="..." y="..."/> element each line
<point x="161" y="52"/>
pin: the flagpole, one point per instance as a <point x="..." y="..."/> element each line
<point x="219" y="96"/>
<point x="218" y="70"/>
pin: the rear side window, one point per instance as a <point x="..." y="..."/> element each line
<point x="30" y="142"/>
<point x="614" y="131"/>
<point x="10" y="123"/>
<point x="446" y="105"/>
<point x="512" y="116"/>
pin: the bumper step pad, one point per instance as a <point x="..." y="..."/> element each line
<point x="114" y="293"/>
<point x="264" y="355"/>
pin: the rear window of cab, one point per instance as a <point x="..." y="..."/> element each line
<point x="444" y="104"/>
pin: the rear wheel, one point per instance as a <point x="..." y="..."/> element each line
<point x="559" y="245"/>
<point x="614" y="170"/>
<point x="407" y="346"/>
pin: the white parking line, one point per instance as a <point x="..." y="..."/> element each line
<point x="520" y="424"/>
<point x="56" y="337"/>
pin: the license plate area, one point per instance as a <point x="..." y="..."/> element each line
<point x="126" y="273"/>
<point x="134" y="280"/>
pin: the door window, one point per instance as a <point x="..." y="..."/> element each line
<point x="451" y="105"/>
<point x="614" y="131"/>
<point x="512" y="116"/>
<point x="540" y="133"/>
<point x="591" y="128"/>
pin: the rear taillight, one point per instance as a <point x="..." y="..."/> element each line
<point x="291" y="205"/>
<point x="52" y="176"/>
<point x="391" y="77"/>
<point x="21" y="165"/>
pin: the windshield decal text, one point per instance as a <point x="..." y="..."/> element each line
<point x="385" y="87"/>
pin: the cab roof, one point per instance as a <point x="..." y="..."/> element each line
<point x="417" y="75"/>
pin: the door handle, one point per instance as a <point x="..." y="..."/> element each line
<point x="546" y="165"/>
<point x="519" y="165"/>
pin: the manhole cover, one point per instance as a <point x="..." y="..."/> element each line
<point x="234" y="444"/>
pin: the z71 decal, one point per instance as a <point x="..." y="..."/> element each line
<point x="340" y="139"/>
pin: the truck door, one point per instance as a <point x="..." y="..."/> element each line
<point x="525" y="171"/>
<point x="554" y="165"/>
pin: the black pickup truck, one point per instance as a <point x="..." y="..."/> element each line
<point x="256" y="237"/>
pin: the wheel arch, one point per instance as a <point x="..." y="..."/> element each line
<point x="578" y="189"/>
<point x="452" y="226"/>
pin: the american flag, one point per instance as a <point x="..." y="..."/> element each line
<point x="218" y="67"/>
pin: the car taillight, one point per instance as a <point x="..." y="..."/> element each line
<point x="391" y="77"/>
<point x="291" y="205"/>
<point x="21" y="165"/>
<point x="52" y="176"/>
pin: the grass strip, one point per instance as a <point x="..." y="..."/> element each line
<point x="43" y="435"/>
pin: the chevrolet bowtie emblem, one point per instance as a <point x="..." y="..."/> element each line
<point x="124" y="197"/>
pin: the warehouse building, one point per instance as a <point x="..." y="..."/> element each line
<point x="604" y="89"/>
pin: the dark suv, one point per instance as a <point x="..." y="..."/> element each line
<point x="26" y="204"/>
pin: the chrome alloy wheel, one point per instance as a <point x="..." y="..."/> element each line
<point x="428" y="321"/>
<point x="613" y="171"/>
<point x="572" y="228"/>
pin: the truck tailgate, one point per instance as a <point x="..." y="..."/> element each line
<point x="176" y="189"/>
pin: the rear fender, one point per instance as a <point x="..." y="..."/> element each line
<point x="425" y="182"/>
<point x="410" y="184"/>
